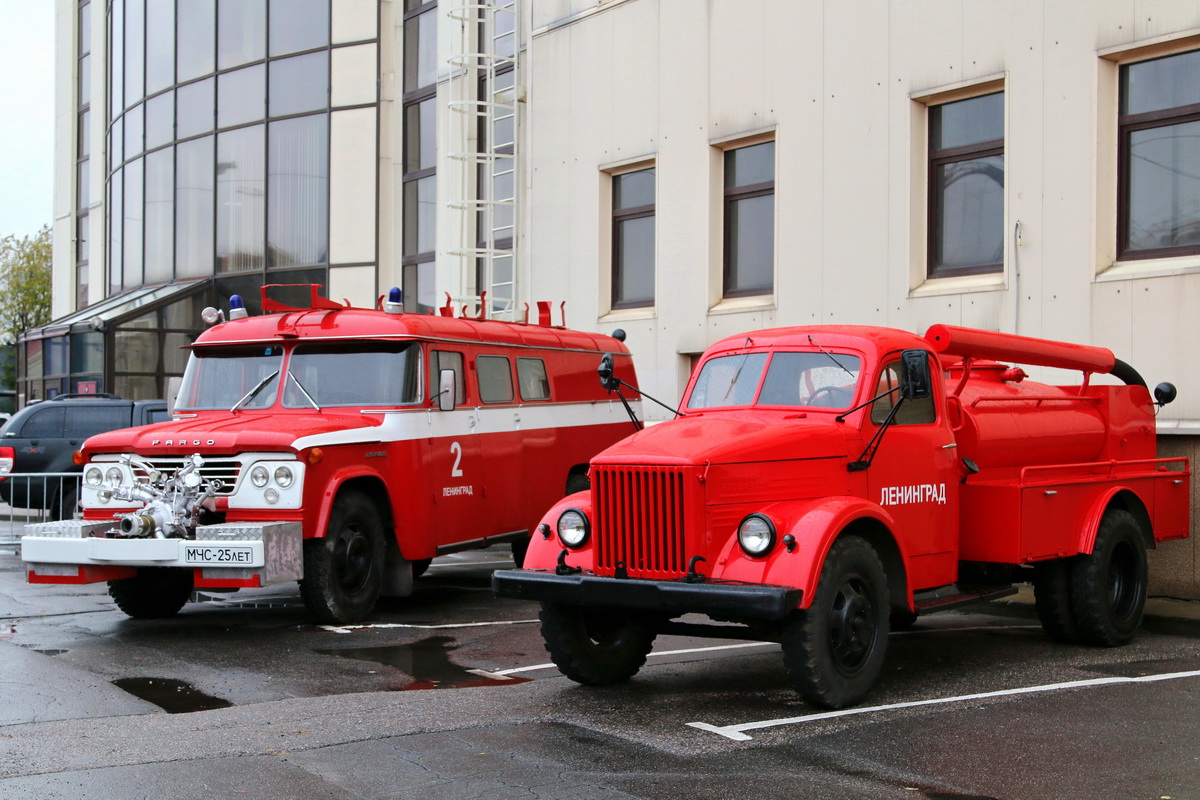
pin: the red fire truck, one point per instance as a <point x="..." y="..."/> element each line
<point x="823" y="484"/>
<point x="344" y="447"/>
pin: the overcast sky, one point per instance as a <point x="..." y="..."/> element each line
<point x="26" y="115"/>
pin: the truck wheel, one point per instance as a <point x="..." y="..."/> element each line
<point x="1052" y="599"/>
<point x="1108" y="587"/>
<point x="595" y="646"/>
<point x="833" y="652"/>
<point x="519" y="548"/>
<point x="421" y="566"/>
<point x="343" y="572"/>
<point x="153" y="593"/>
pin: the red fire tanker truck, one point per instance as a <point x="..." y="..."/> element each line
<point x="822" y="484"/>
<point x="340" y="446"/>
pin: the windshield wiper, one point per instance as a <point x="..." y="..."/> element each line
<point x="813" y="342"/>
<point x="303" y="391"/>
<point x="250" y="394"/>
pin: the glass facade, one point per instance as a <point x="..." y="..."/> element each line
<point x="220" y="141"/>
<point x="420" y="170"/>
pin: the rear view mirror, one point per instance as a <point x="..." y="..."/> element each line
<point x="447" y="390"/>
<point x="605" y="371"/>
<point x="915" y="380"/>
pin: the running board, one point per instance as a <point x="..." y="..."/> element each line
<point x="948" y="597"/>
<point x="479" y="544"/>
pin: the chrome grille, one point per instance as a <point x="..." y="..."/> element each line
<point x="226" y="470"/>
<point x="641" y="517"/>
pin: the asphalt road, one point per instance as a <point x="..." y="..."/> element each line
<point x="447" y="694"/>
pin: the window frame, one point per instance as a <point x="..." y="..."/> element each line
<point x="939" y="158"/>
<point x="543" y="379"/>
<point x="731" y="196"/>
<point x="1127" y="125"/>
<point x="620" y="216"/>
<point x="485" y="394"/>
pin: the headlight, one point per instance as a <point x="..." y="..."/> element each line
<point x="573" y="528"/>
<point x="271" y="496"/>
<point x="756" y="535"/>
<point x="284" y="477"/>
<point x="259" y="476"/>
<point x="113" y="476"/>
<point x="93" y="476"/>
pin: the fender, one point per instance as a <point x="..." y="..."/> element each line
<point x="334" y="485"/>
<point x="815" y="524"/>
<point x="543" y="551"/>
<point x="1093" y="510"/>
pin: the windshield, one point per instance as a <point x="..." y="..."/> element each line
<point x="359" y="374"/>
<point x="220" y="378"/>
<point x="807" y="379"/>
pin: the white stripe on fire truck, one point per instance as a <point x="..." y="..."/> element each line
<point x="408" y="425"/>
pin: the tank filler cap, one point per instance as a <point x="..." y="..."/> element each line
<point x="395" y="302"/>
<point x="1013" y="375"/>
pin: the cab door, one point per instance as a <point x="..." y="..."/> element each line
<point x="914" y="477"/>
<point x="455" y="476"/>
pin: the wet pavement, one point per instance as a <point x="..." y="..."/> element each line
<point x="970" y="705"/>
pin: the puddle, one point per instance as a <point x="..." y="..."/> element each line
<point x="50" y="652"/>
<point x="1138" y="669"/>
<point x="172" y="696"/>
<point x="428" y="662"/>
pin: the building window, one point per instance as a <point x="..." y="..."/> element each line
<point x="633" y="239"/>
<point x="1159" y="135"/>
<point x="83" y="153"/>
<point x="750" y="220"/>
<point x="966" y="187"/>
<point x="420" y="167"/>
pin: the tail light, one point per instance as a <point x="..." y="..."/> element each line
<point x="6" y="462"/>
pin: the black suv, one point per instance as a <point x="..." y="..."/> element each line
<point x="41" y="439"/>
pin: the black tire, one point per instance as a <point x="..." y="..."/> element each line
<point x="421" y="566"/>
<point x="595" y="646"/>
<point x="343" y="572"/>
<point x="153" y="593"/>
<point x="65" y="503"/>
<point x="1052" y="599"/>
<point x="1108" y="587"/>
<point x="577" y="482"/>
<point x="834" y="650"/>
<point x="519" y="548"/>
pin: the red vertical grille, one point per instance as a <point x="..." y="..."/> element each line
<point x="640" y="520"/>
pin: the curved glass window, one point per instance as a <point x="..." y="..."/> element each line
<point x="223" y="377"/>
<point x="814" y="380"/>
<point x="199" y="183"/>
<point x="383" y="374"/>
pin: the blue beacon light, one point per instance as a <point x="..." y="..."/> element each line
<point x="395" y="301"/>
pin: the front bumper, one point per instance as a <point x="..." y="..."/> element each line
<point x="273" y="551"/>
<point x="716" y="598"/>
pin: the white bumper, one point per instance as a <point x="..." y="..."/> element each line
<point x="271" y="550"/>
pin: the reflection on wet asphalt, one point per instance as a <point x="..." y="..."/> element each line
<point x="428" y="662"/>
<point x="172" y="696"/>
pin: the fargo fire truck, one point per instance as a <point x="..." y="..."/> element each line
<point x="344" y="447"/>
<point x="823" y="484"/>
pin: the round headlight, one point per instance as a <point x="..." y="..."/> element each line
<point x="573" y="528"/>
<point x="284" y="477"/>
<point x="93" y="476"/>
<point x="113" y="476"/>
<point x="271" y="496"/>
<point x="259" y="476"/>
<point x="756" y="535"/>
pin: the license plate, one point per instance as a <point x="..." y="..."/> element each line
<point x="218" y="555"/>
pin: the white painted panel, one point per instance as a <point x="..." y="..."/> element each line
<point x="352" y="165"/>
<point x="354" y="76"/>
<point x="356" y="284"/>
<point x="354" y="20"/>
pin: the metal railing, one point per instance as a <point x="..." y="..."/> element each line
<point x="34" y="497"/>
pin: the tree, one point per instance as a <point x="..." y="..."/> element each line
<point x="24" y="282"/>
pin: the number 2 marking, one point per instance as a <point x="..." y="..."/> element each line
<point x="456" y="448"/>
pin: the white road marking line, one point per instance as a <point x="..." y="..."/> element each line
<point x="383" y="625"/>
<point x="651" y="655"/>
<point x="736" y="733"/>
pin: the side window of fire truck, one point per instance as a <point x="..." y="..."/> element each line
<point x="447" y="359"/>
<point x="912" y="412"/>
<point x="827" y="380"/>
<point x="495" y="379"/>
<point x="728" y="381"/>
<point x="531" y="377"/>
<point x="362" y="374"/>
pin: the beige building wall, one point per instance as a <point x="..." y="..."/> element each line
<point x="843" y="88"/>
